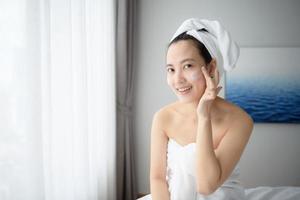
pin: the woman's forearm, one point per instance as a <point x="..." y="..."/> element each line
<point x="159" y="189"/>
<point x="208" y="170"/>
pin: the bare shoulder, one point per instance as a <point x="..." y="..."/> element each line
<point x="236" y="115"/>
<point x="165" y="115"/>
<point x="241" y="116"/>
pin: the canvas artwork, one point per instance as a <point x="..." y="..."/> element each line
<point x="266" y="83"/>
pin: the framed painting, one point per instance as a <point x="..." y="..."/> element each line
<point x="266" y="84"/>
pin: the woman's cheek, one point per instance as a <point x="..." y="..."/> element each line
<point x="195" y="76"/>
<point x="198" y="79"/>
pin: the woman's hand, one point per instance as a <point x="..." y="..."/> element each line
<point x="210" y="93"/>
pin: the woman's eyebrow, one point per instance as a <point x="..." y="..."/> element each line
<point x="187" y="59"/>
<point x="184" y="60"/>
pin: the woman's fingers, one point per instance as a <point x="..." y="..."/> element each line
<point x="207" y="76"/>
<point x="216" y="76"/>
<point x="218" y="90"/>
<point x="214" y="92"/>
<point x="210" y="80"/>
<point x="212" y="83"/>
<point x="204" y="71"/>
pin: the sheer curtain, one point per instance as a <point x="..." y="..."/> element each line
<point x="57" y="100"/>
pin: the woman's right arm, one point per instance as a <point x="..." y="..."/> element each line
<point x="158" y="163"/>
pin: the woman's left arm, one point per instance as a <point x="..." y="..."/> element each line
<point x="213" y="167"/>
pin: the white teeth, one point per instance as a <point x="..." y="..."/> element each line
<point x="183" y="89"/>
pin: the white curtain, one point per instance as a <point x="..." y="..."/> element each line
<point x="57" y="100"/>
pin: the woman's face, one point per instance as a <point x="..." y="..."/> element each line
<point x="184" y="74"/>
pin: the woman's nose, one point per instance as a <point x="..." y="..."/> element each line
<point x="179" y="77"/>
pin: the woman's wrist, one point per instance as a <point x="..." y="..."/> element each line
<point x="203" y="117"/>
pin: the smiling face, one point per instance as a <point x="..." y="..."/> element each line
<point x="184" y="74"/>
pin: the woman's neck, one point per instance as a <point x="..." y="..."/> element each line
<point x="189" y="109"/>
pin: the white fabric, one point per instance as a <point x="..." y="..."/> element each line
<point x="181" y="181"/>
<point x="57" y="100"/>
<point x="181" y="176"/>
<point x="217" y="40"/>
<point x="273" y="193"/>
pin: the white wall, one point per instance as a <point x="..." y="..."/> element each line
<point x="272" y="156"/>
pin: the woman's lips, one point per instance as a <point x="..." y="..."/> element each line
<point x="184" y="90"/>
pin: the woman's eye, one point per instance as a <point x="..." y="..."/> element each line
<point x="187" y="66"/>
<point x="170" y="70"/>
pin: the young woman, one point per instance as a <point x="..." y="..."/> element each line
<point x="197" y="141"/>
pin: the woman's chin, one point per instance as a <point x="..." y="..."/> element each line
<point x="187" y="99"/>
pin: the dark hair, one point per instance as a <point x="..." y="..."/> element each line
<point x="199" y="45"/>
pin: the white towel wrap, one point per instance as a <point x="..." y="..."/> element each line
<point x="217" y="41"/>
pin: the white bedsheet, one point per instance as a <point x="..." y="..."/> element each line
<point x="263" y="193"/>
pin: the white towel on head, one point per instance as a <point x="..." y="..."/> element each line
<point x="217" y="41"/>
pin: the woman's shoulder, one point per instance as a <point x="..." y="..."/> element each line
<point x="166" y="113"/>
<point x="234" y="113"/>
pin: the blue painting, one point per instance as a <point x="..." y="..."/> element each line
<point x="266" y="84"/>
